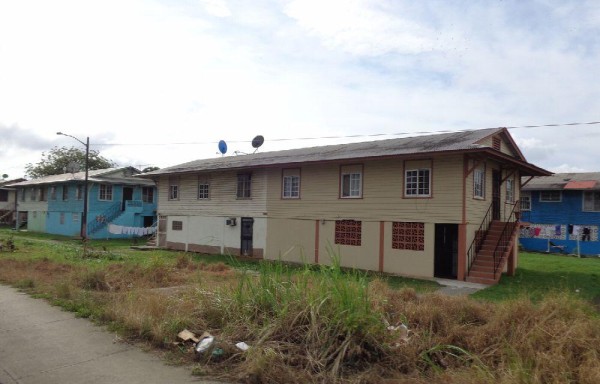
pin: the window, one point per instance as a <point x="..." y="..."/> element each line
<point x="53" y="192"/>
<point x="479" y="183"/>
<point x="62" y="218"/>
<point x="351" y="181"/>
<point x="348" y="232"/>
<point x="244" y="185"/>
<point x="79" y="192"/>
<point x="42" y="192"/>
<point x="173" y="189"/>
<point x="148" y="194"/>
<point x="417" y="183"/>
<point x="203" y="189"/>
<point x="290" y="188"/>
<point x="3" y="195"/>
<point x="550" y="196"/>
<point x="106" y="192"/>
<point x="76" y="217"/>
<point x="510" y="191"/>
<point x="591" y="201"/>
<point x="65" y="192"/>
<point x="525" y="201"/>
<point x="409" y="236"/>
<point x="177" y="225"/>
<point x="32" y="194"/>
<point x="22" y="191"/>
<point x="496" y="143"/>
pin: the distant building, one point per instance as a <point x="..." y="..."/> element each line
<point x="561" y="213"/>
<point x="8" y="202"/>
<point x="54" y="204"/>
<point x="430" y="206"/>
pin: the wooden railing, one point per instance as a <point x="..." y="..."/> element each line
<point x="479" y="236"/>
<point x="506" y="236"/>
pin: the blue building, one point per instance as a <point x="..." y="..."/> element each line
<point x="116" y="200"/>
<point x="561" y="213"/>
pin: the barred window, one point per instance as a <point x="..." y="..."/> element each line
<point x="348" y="232"/>
<point x="409" y="236"/>
<point x="177" y="225"/>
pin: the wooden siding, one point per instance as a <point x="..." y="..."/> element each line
<point x="383" y="183"/>
<point x="223" y="201"/>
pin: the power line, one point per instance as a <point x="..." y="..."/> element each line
<point x="355" y="136"/>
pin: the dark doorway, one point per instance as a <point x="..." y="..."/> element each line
<point x="446" y="251"/>
<point x="496" y="182"/>
<point x="148" y="221"/>
<point x="247" y="229"/>
<point x="127" y="196"/>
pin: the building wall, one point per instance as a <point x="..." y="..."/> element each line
<point x="212" y="235"/>
<point x="546" y="216"/>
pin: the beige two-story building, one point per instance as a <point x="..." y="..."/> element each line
<point x="440" y="205"/>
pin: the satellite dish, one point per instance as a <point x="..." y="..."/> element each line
<point x="222" y="147"/>
<point x="258" y="141"/>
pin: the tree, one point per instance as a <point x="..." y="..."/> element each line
<point x="60" y="160"/>
<point x="150" y="169"/>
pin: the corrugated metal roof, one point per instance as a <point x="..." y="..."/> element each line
<point x="404" y="146"/>
<point x="587" y="184"/>
<point x="93" y="176"/>
<point x="559" y="181"/>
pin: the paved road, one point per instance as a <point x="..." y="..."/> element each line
<point x="42" y="344"/>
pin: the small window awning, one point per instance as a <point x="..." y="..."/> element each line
<point x="580" y="184"/>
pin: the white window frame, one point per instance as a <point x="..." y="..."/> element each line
<point x="174" y="189"/>
<point x="595" y="201"/>
<point x="52" y="192"/>
<point x="105" y="192"/>
<point x="147" y="192"/>
<point x="542" y="200"/>
<point x="525" y="201"/>
<point x="290" y="187"/>
<point x="415" y="180"/>
<point x="510" y="190"/>
<point x="351" y="181"/>
<point x="479" y="183"/>
<point x="203" y="190"/>
<point x="244" y="186"/>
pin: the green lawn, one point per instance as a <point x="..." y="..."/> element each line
<point x="539" y="274"/>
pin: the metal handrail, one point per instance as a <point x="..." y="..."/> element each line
<point x="102" y="221"/>
<point x="480" y="235"/>
<point x="505" y="236"/>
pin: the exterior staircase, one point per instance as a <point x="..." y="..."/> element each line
<point x="490" y="259"/>
<point x="6" y="216"/>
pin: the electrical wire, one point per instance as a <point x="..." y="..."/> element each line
<point x="354" y="136"/>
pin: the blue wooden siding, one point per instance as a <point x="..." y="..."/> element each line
<point x="569" y="211"/>
<point x="64" y="216"/>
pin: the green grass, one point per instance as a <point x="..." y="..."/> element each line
<point x="539" y="275"/>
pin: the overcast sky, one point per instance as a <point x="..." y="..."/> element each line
<point x="158" y="83"/>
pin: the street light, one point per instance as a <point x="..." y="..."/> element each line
<point x="85" y="186"/>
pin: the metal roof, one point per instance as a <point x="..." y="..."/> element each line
<point x="559" y="181"/>
<point x="445" y="142"/>
<point x="98" y="176"/>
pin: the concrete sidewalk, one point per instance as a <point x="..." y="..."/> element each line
<point x="40" y="343"/>
<point x="458" y="288"/>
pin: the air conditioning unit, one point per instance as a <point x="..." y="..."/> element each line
<point x="231" y="222"/>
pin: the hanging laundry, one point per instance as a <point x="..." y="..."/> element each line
<point x="536" y="231"/>
<point x="557" y="231"/>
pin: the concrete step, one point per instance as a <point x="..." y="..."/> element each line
<point x="479" y="280"/>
